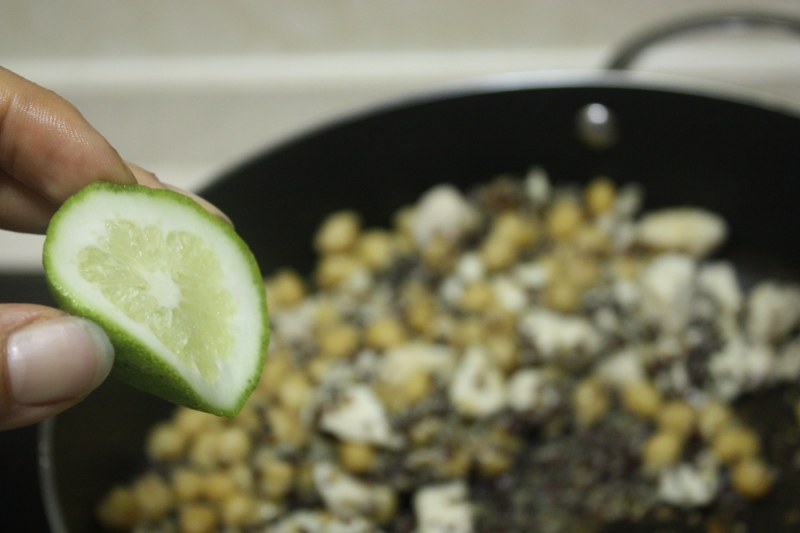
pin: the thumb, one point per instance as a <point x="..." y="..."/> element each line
<point x="48" y="362"/>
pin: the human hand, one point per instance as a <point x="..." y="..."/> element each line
<point x="48" y="360"/>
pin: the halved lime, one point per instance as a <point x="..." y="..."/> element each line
<point x="178" y="292"/>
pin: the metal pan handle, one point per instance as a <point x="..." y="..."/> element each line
<point x="596" y="126"/>
<point x="634" y="48"/>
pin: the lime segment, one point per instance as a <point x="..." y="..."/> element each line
<point x="169" y="283"/>
<point x="177" y="290"/>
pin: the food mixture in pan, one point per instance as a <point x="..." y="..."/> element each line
<point x="517" y="357"/>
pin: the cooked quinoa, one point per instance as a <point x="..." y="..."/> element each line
<point x="518" y="357"/>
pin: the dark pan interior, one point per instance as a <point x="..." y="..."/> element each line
<point x="737" y="159"/>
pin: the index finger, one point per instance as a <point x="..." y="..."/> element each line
<point x="48" y="151"/>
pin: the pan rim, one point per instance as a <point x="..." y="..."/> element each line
<point x="47" y="476"/>
<point x="524" y="81"/>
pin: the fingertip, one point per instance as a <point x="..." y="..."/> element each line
<point x="101" y="348"/>
<point x="144" y="177"/>
<point x="208" y="206"/>
<point x="48" y="146"/>
<point x="149" y="179"/>
<point x="55" y="360"/>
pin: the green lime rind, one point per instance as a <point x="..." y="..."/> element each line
<point x="135" y="363"/>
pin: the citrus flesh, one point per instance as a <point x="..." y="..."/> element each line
<point x="178" y="292"/>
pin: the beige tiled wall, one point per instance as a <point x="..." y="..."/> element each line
<point x="190" y="87"/>
<point x="54" y="28"/>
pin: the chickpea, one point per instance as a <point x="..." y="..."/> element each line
<point x="445" y="328"/>
<point x="242" y="475"/>
<point x="600" y="195"/>
<point x="338" y="232"/>
<point x="498" y="253"/>
<point x="118" y="509"/>
<point x="713" y="417"/>
<point x="505" y="440"/>
<point x="492" y="462"/>
<point x="357" y="457"/>
<point x="296" y="391"/>
<point x="456" y="464"/>
<point x="325" y="312"/>
<point x="551" y="264"/>
<point x="469" y="331"/>
<point x="425" y="431"/>
<point x="416" y="387"/>
<point x="642" y="399"/>
<point x="264" y="455"/>
<point x="499" y="321"/>
<point x="197" y="518"/>
<point x="420" y="314"/>
<point x="238" y="510"/>
<point x="285" y="289"/>
<point x="562" y="296"/>
<point x="401" y="395"/>
<point x="752" y="478"/>
<point x="258" y="398"/>
<point x="385" y="501"/>
<point x="304" y="480"/>
<point x="626" y="267"/>
<point x="564" y="219"/>
<point x="166" y="442"/>
<point x="153" y="497"/>
<point x="477" y="297"/>
<point x="503" y="350"/>
<point x="218" y="486"/>
<point x="519" y="230"/>
<point x="677" y="417"/>
<point x="583" y="272"/>
<point x="187" y="484"/>
<point x="276" y="368"/>
<point x="318" y="368"/>
<point x="338" y="340"/>
<point x="735" y="443"/>
<point x="203" y="452"/>
<point x="192" y="422"/>
<point x="403" y="221"/>
<point x="233" y="445"/>
<point x="415" y="291"/>
<point x="332" y="270"/>
<point x="419" y="306"/>
<point x="591" y="239"/>
<point x="387" y="394"/>
<point x="286" y="428"/>
<point x="661" y="450"/>
<point x="591" y="402"/>
<point x="248" y="418"/>
<point x="439" y="254"/>
<point x="384" y="333"/>
<point x="277" y="479"/>
<point x="376" y="250"/>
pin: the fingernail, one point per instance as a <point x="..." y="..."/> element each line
<point x="58" y="359"/>
<point x="148" y="178"/>
<point x="208" y="206"/>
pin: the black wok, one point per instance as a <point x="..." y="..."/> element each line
<point x="737" y="156"/>
<point x="739" y="159"/>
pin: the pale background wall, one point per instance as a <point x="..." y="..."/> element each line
<point x="188" y="88"/>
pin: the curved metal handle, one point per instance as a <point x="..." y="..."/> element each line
<point x="631" y="50"/>
<point x="596" y="125"/>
